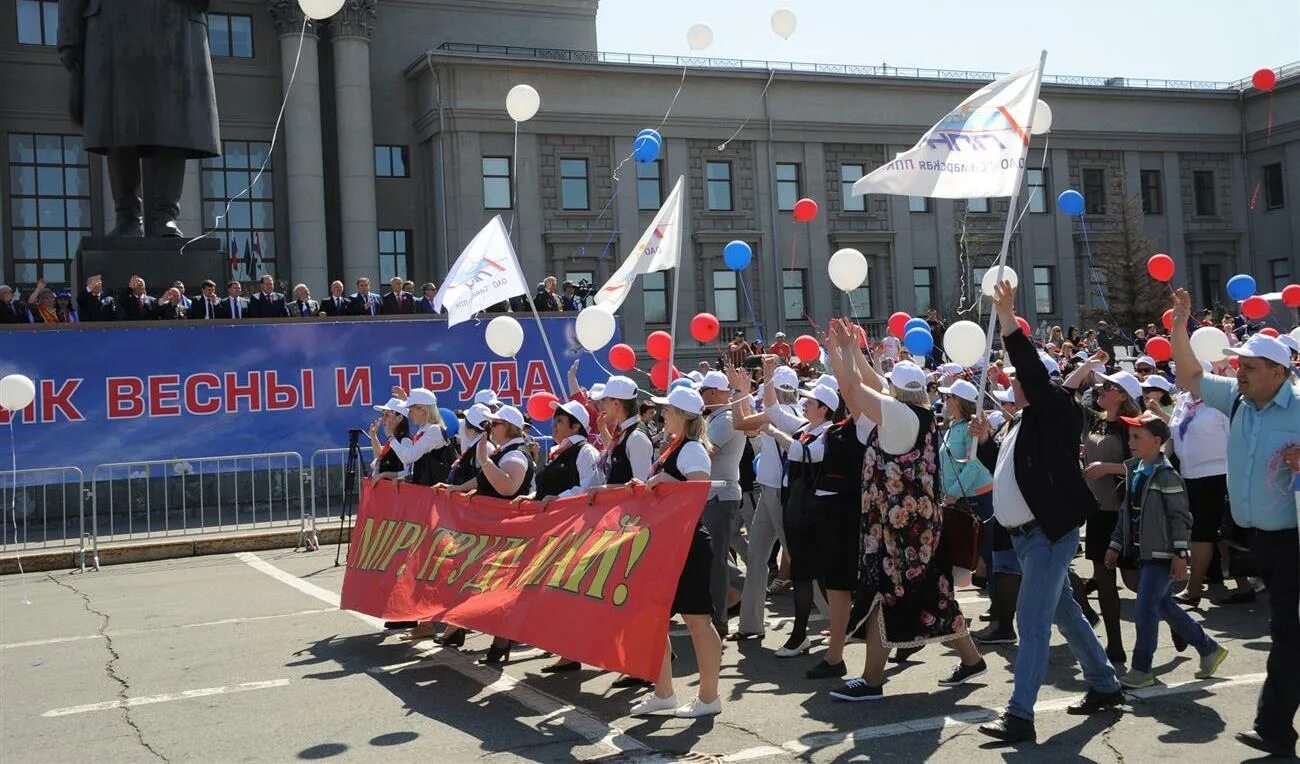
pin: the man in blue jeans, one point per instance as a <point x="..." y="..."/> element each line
<point x="1040" y="497"/>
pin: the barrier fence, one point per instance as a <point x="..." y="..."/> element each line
<point x="43" y="510"/>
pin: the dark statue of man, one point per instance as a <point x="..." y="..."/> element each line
<point x="142" y="91"/>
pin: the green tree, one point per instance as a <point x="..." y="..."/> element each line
<point x="1118" y="273"/>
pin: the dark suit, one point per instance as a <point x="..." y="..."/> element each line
<point x="370" y="305"/>
<point x="169" y="312"/>
<point x="11" y="313"/>
<point x="96" y="307"/>
<point x="424" y="305"/>
<point x="295" y="309"/>
<point x="224" y="309"/>
<point x="342" y="308"/>
<point x="143" y="308"/>
<point x="199" y="309"/>
<point x="267" y="306"/>
<point x="401" y="302"/>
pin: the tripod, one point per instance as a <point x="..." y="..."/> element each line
<point x="350" y="470"/>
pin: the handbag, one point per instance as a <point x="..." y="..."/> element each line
<point x="961" y="535"/>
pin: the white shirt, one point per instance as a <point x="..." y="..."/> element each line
<point x="1203" y="451"/>
<point x="768" y="462"/>
<point x="796" y="451"/>
<point x="409" y="450"/>
<point x="640" y="451"/>
<point x="693" y="458"/>
<point x="588" y="456"/>
<point x="899" y="427"/>
<point x="1009" y="505"/>
<point x="518" y="456"/>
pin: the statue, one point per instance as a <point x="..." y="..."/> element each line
<point x="142" y="90"/>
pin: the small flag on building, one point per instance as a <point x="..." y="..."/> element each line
<point x="234" y="258"/>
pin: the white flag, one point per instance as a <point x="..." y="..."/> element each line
<point x="486" y="273"/>
<point x="977" y="150"/>
<point x="658" y="249"/>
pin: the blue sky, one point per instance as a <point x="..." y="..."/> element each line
<point x="1193" y="39"/>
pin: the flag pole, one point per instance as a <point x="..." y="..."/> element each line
<point x="1006" y="244"/>
<point x="555" y="367"/>
<point x="672" y="323"/>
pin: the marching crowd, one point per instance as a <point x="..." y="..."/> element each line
<point x="883" y="490"/>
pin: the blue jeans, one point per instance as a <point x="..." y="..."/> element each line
<point x="1046" y="601"/>
<point x="1154" y="604"/>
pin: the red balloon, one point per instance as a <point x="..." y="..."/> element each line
<point x="807" y="349"/>
<point x="1255" y="307"/>
<point x="540" y="406"/>
<point x="1159" y="348"/>
<point x="1168" y="319"/>
<point x="622" y="357"/>
<point x="1161" y="267"/>
<point x="805" y="211"/>
<point x="1291" y="295"/>
<point x="1264" y="79"/>
<point x="1024" y="326"/>
<point x="897" y="322"/>
<point x="1269" y="331"/>
<point x="659" y="375"/>
<point x="705" y="327"/>
<point x="659" y="345"/>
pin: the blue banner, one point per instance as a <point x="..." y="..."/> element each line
<point x="190" y="389"/>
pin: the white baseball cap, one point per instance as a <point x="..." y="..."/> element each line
<point x="907" y="376"/>
<point x="477" y="415"/>
<point x="1126" y="381"/>
<point x="394" y="405"/>
<point x="695" y="376"/>
<point x="1158" y="382"/>
<point x="683" y="397"/>
<point x="950" y="368"/>
<point x="421" y="396"/>
<point x="997" y="419"/>
<point x="1292" y="344"/>
<point x="1005" y="396"/>
<point x="620" y="387"/>
<point x="785" y="378"/>
<point x="508" y="414"/>
<point x="1262" y="346"/>
<point x="825" y="394"/>
<point x="575" y="410"/>
<point x="828" y="380"/>
<point x="1144" y="359"/>
<point x="715" y="380"/>
<point x="1052" y="366"/>
<point x="596" y="391"/>
<point x="487" y="398"/>
<point x="962" y="389"/>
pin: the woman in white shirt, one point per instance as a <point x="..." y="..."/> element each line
<point x="422" y="453"/>
<point x="392" y="418"/>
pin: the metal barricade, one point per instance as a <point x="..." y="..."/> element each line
<point x="324" y="481"/>
<point x="43" y="509"/>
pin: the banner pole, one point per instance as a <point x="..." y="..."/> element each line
<point x="555" y="367"/>
<point x="672" y="321"/>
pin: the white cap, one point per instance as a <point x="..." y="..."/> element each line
<point x="715" y="380"/>
<point x="780" y="335"/>
<point x="1158" y="382"/>
<point x="695" y="377"/>
<point x="962" y="389"/>
<point x="421" y="396"/>
<point x="487" y="398"/>
<point x="907" y="376"/>
<point x="683" y="397"/>
<point x="1292" y="344"/>
<point x="1144" y="359"/>
<point x="827" y="380"/>
<point x="508" y="414"/>
<point x="997" y="419"/>
<point x="596" y="391"/>
<point x="575" y="410"/>
<point x="1082" y="356"/>
<point x="825" y="394"/>
<point x="785" y="378"/>
<point x="1005" y="396"/>
<point x="1052" y="366"/>
<point x="950" y="368"/>
<point x="394" y="405"/>
<point x="620" y="387"/>
<point x="1010" y="371"/>
<point x="477" y="415"/>
<point x="1127" y="382"/>
<point x="1262" y="346"/>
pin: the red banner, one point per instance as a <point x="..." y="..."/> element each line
<point x="589" y="581"/>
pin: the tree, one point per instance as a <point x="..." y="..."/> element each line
<point x="1117" y="269"/>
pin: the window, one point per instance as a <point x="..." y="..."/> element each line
<point x="923" y="289"/>
<point x="654" y="295"/>
<point x="50" y="201"/>
<point x="794" y="301"/>
<point x="718" y="181"/>
<point x="1096" y="288"/>
<point x="1274" y="195"/>
<point x="390" y="162"/>
<point x="573" y="184"/>
<point x="1152" y="193"/>
<point x="1280" y="271"/>
<point x="976" y="279"/>
<point x="496" y="183"/>
<point x="787" y="186"/>
<point x="394" y="258"/>
<point x="849" y="174"/>
<point x="38" y="22"/>
<point x="649" y="185"/>
<point x="1203" y="191"/>
<point x="577" y="277"/>
<point x="978" y="204"/>
<point x="726" y="296"/>
<point x="918" y="204"/>
<point x="1037" y="182"/>
<point x="1094" y="191"/>
<point x="1044" y="304"/>
<point x="860" y="301"/>
<point x="1211" y="283"/>
<point x="247" y="231"/>
<point x="230" y="36"/>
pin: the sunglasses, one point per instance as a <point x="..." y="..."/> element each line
<point x="1110" y="386"/>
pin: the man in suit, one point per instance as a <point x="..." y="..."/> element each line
<point x="93" y="304"/>
<point x="138" y="305"/>
<point x="366" y="302"/>
<point x="206" y="306"/>
<point x="303" y="306"/>
<point x="337" y="304"/>
<point x="425" y="303"/>
<point x="10" y="313"/>
<point x="234" y="306"/>
<point x="267" y="303"/>
<point x="398" y="301"/>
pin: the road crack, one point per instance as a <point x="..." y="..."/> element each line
<point x="1105" y="737"/>
<point x="110" y="667"/>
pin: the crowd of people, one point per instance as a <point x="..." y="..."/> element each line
<point x="874" y="473"/>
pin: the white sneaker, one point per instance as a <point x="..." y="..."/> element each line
<point x="653" y="704"/>
<point x="791" y="652"/>
<point x="697" y="708"/>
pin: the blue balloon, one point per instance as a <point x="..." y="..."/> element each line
<point x="915" y="323"/>
<point x="1241" y="286"/>
<point x="449" y="422"/>
<point x="645" y="148"/>
<point x="1070" y="202"/>
<point x="653" y="132"/>
<point x="687" y="381"/>
<point x="737" y="255"/>
<point x="918" y="341"/>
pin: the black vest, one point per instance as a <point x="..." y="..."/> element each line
<point x="620" y="467"/>
<point x="667" y="463"/>
<point x="485" y="488"/>
<point x="434" y="466"/>
<point x="842" y="461"/>
<point x="389" y="461"/>
<point x="561" y="473"/>
<point x="802" y="469"/>
<point x="466" y="467"/>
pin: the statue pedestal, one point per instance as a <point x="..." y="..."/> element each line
<point x="157" y="260"/>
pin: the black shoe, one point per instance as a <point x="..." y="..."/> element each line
<point x="995" y="636"/>
<point x="963" y="674"/>
<point x="1090" y="614"/>
<point x="824" y="670"/>
<point x="979" y="582"/>
<point x="1117" y="658"/>
<point x="128" y="226"/>
<point x="497" y="655"/>
<point x="1239" y="597"/>
<point x="903" y="653"/>
<point x="1095" y="701"/>
<point x="1261" y="743"/>
<point x="1010" y="729"/>
<point x="400" y="624"/>
<point x="741" y="636"/>
<point x="631" y="681"/>
<point x="557" y="668"/>
<point x="857" y="690"/>
<point x="456" y="639"/>
<point x="1180" y="644"/>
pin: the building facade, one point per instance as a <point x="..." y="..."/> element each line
<point x="394" y="148"/>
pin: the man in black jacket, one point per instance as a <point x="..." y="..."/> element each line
<point x="10" y="311"/>
<point x="1040" y="497"/>
<point x="93" y="304"/>
<point x="139" y="306"/>
<point x="337" y="304"/>
<point x="267" y="303"/>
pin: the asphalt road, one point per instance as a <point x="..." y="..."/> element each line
<point x="246" y="657"/>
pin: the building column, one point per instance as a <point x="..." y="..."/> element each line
<point x="1074" y="298"/>
<point x="350" y="31"/>
<point x="1175" y="238"/>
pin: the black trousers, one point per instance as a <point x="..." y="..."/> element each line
<point x="1278" y="559"/>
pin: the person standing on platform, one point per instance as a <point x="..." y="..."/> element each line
<point x="267" y="303"/>
<point x="365" y="302"/>
<point x="93" y="304"/>
<point x="337" y="304"/>
<point x="303" y="306"/>
<point x="235" y="305"/>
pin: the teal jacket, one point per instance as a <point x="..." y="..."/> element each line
<point x="961" y="475"/>
<point x="1165" y="525"/>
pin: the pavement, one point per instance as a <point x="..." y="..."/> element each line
<point x="246" y="656"/>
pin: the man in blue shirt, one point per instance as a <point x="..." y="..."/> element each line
<point x="1263" y="404"/>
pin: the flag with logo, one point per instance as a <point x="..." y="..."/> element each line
<point x="257" y="252"/>
<point x="234" y="258"/>
<point x="658" y="249"/>
<point x="976" y="150"/>
<point x="248" y="261"/>
<point x="486" y="273"/>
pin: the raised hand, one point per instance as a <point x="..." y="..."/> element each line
<point x="1182" y="308"/>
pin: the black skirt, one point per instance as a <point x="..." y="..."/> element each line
<point x="839" y="550"/>
<point x="1207" y="497"/>
<point x="692" y="597"/>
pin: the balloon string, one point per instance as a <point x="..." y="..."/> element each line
<point x="13" y="508"/>
<point x="581" y="249"/>
<point x="601" y="365"/>
<point x="772" y="75"/>
<point x="514" y="185"/>
<point x="758" y="330"/>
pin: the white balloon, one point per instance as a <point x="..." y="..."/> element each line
<point x="16" y="392"/>
<point x="1042" y="118"/>
<point x="784" y="22"/>
<point x="320" y="9"/>
<point x="847" y="269"/>
<point x="699" y="36"/>
<point x="991" y="277"/>
<point x="595" y="327"/>
<point x="1208" y="344"/>
<point x="964" y="343"/>
<point x="505" y="336"/>
<point x="522" y="102"/>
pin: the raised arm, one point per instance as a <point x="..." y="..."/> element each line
<point x="859" y="398"/>
<point x="1185" y="361"/>
<point x="1083" y="373"/>
<point x="742" y="413"/>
